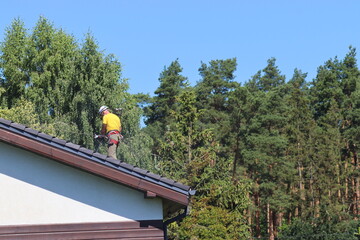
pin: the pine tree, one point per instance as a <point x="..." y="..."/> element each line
<point x="270" y="79"/>
<point x="42" y="78"/>
<point x="213" y="92"/>
<point x="97" y="82"/>
<point x="350" y="83"/>
<point x="333" y="90"/>
<point x="265" y="147"/>
<point x="325" y="88"/>
<point x="13" y="60"/>
<point x="171" y="85"/>
<point x="157" y="113"/>
<point x="299" y="130"/>
<point x="65" y="83"/>
<point x="190" y="155"/>
<point x="238" y="108"/>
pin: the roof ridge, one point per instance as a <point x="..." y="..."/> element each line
<point x="94" y="156"/>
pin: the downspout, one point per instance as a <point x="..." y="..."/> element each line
<point x="174" y="219"/>
<point x="178" y="217"/>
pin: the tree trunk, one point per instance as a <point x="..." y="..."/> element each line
<point x="346" y="182"/>
<point x="356" y="185"/>
<point x="312" y="200"/>
<point x="257" y="215"/>
<point x="302" y="190"/>
<point x="270" y="221"/>
<point x="189" y="143"/>
<point x="249" y="213"/>
<point x="317" y="208"/>
<point x="236" y="157"/>
<point x="338" y="182"/>
<point x="278" y="216"/>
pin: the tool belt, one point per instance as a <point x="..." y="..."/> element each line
<point x="113" y="141"/>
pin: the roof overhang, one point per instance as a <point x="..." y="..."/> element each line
<point x="84" y="159"/>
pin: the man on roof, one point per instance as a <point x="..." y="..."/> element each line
<point x="111" y="127"/>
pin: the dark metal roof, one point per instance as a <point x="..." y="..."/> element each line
<point x="95" y="156"/>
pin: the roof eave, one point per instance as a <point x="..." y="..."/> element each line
<point x="95" y="167"/>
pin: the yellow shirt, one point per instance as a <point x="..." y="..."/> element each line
<point x="112" y="122"/>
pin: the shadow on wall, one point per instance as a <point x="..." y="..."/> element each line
<point x="77" y="185"/>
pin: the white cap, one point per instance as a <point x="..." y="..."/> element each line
<point x="102" y="108"/>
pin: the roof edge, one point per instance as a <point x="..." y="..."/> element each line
<point x="85" y="159"/>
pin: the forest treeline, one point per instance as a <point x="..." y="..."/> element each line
<point x="274" y="158"/>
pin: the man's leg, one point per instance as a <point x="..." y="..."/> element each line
<point x="112" y="150"/>
<point x="112" y="147"/>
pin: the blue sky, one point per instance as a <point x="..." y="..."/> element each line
<point x="147" y="35"/>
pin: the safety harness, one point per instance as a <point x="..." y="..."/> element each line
<point x="113" y="141"/>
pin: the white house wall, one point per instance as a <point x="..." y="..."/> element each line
<point x="36" y="190"/>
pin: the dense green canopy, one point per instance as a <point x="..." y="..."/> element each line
<point x="274" y="158"/>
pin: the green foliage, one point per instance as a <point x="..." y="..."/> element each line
<point x="13" y="59"/>
<point x="266" y="143"/>
<point x="2" y="92"/>
<point x="136" y="147"/>
<point x="300" y="230"/>
<point x="189" y="155"/>
<point x="183" y="143"/>
<point x="158" y="110"/>
<point x="217" y="81"/>
<point x="64" y="81"/>
<point x="23" y="112"/>
<point x="269" y="135"/>
<point x="211" y="222"/>
<point x="212" y="94"/>
<point x="271" y="158"/>
<point x="164" y="101"/>
<point x="270" y="79"/>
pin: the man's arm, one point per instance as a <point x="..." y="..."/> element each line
<point x="103" y="129"/>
